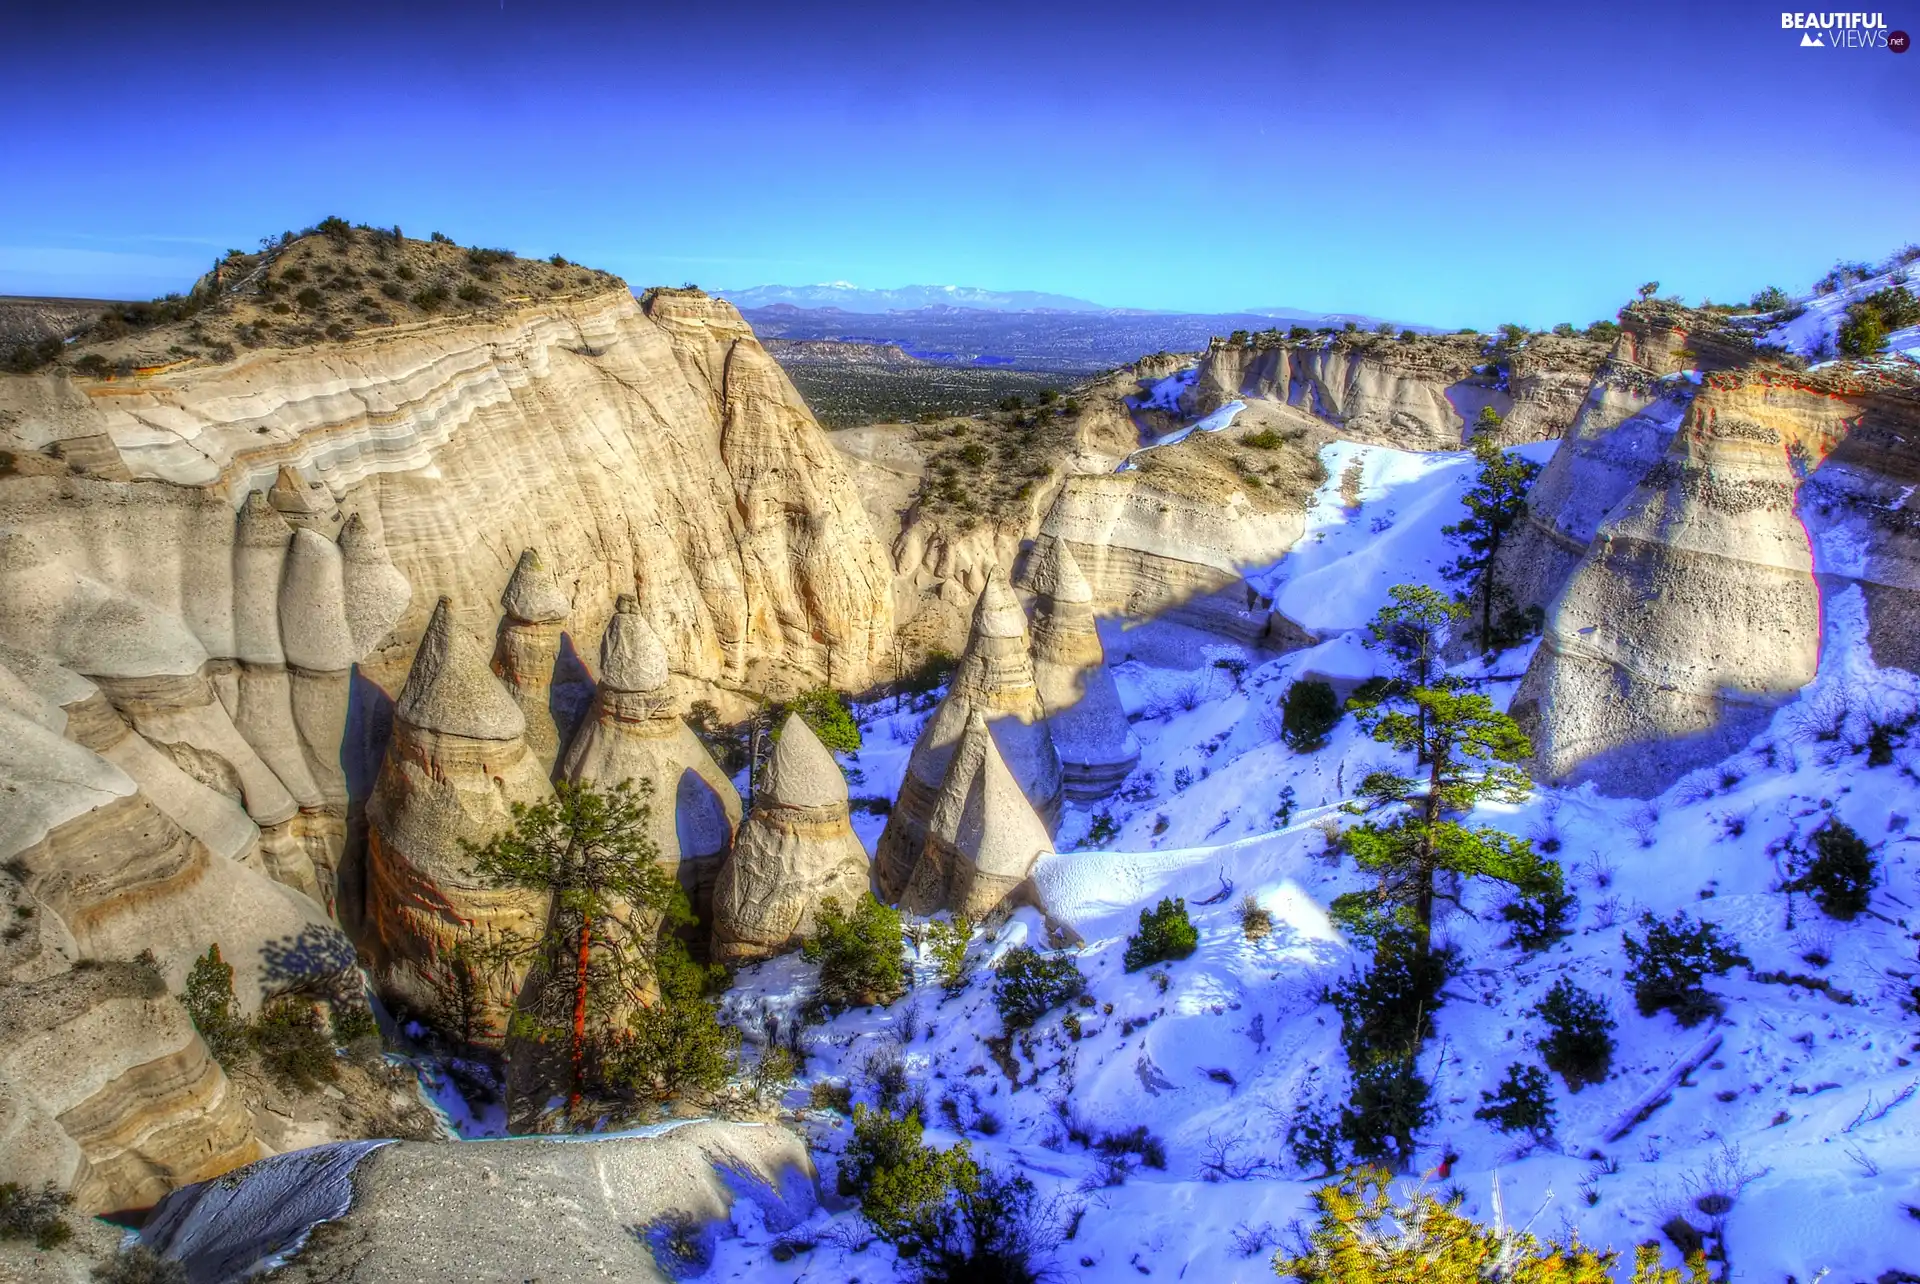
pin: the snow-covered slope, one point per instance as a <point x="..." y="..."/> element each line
<point x="1802" y="1104"/>
<point x="1815" y="332"/>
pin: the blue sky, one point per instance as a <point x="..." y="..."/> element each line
<point x="1445" y="163"/>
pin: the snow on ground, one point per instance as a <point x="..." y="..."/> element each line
<point x="1807" y="1111"/>
<point x="1165" y="394"/>
<point x="1217" y="421"/>
<point x="1815" y="333"/>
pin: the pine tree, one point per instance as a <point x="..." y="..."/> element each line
<point x="588" y="852"/>
<point x="1470" y="749"/>
<point x="1412" y="629"/>
<point x="1496" y="505"/>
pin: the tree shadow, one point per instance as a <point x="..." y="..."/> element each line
<point x="315" y="956"/>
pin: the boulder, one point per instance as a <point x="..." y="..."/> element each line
<point x="796" y="847"/>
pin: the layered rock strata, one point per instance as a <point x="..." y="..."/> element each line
<point x="994" y="678"/>
<point x="456" y="765"/>
<point x="633" y="733"/>
<point x="1089" y="728"/>
<point x="984" y="836"/>
<point x="796" y="847"/>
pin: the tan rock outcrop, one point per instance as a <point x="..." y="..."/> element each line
<point x="994" y="678"/>
<point x="457" y="763"/>
<point x="633" y="733"/>
<point x="527" y="652"/>
<point x="984" y="837"/>
<point x="107" y="1091"/>
<point x="796" y="847"/>
<point x="1693" y="613"/>
<point x="1089" y="728"/>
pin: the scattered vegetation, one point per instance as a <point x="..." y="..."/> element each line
<point x="862" y="955"/>
<point x="828" y="714"/>
<point x="36" y="1215"/>
<point x="1165" y="934"/>
<point x="1579" y="1042"/>
<point x="1309" y="713"/>
<point x="1028" y="984"/>
<point x="1521" y="1103"/>
<point x="947" y="940"/>
<point x="1361" y="1235"/>
<point x="901" y="1182"/>
<point x="676" y="1046"/>
<point x="1669" y="967"/>
<point x="1256" y="923"/>
<point x="1539" y="919"/>
<point x="1842" y="873"/>
<point x="1869" y="320"/>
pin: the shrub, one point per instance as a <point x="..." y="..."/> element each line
<point x="676" y="1045"/>
<point x="1539" y="920"/>
<point x="1309" y="713"/>
<point x="1842" y="874"/>
<point x="997" y="1230"/>
<point x="351" y="1022"/>
<point x="947" y="940"/>
<point x="209" y="1002"/>
<point x="1265" y="439"/>
<point x="1771" y="299"/>
<point x="1028" y="984"/>
<point x="434" y="296"/>
<point x="38" y="1215"/>
<point x="1361" y="1236"/>
<point x="862" y="956"/>
<point x="826" y="712"/>
<point x="293" y="1045"/>
<point x="1388" y="1105"/>
<point x="1521" y="1102"/>
<point x="1255" y="922"/>
<point x="1669" y="966"/>
<point x="1579" y="1042"/>
<point x="902" y="1183"/>
<point x="139" y="1265"/>
<point x="1863" y="333"/>
<point x="393" y="290"/>
<point x="471" y="293"/>
<point x="308" y="298"/>
<point x="1388" y="1011"/>
<point x="1165" y="934"/>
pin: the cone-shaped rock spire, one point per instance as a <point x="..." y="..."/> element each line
<point x="633" y="733"/>
<point x="450" y="688"/>
<point x="377" y="593"/>
<point x="984" y="838"/>
<point x="455" y="766"/>
<point x="527" y="651"/>
<point x="796" y="847"/>
<point x="995" y="678"/>
<point x="1096" y="746"/>
<point x="533" y="595"/>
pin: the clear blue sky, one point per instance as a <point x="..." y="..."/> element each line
<point x="1457" y="164"/>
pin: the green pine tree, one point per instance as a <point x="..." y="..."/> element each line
<point x="1496" y="505"/>
<point x="588" y="852"/>
<point x="1471" y="751"/>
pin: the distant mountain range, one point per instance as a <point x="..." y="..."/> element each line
<point x="1017" y="329"/>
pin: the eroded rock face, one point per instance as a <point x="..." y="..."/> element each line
<point x="984" y="837"/>
<point x="1096" y="746"/>
<point x="457" y="763"/>
<point x="1693" y="611"/>
<point x="995" y="678"/>
<point x="408" y="1210"/>
<point x="796" y="848"/>
<point x="634" y="733"/>
<point x="528" y="655"/>
<point x="107" y="1091"/>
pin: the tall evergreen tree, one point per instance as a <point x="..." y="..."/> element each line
<point x="588" y="852"/>
<point x="1496" y="505"/>
<point x="1413" y="629"/>
<point x="1471" y="752"/>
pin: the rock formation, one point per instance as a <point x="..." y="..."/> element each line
<point x="107" y="1091"/>
<point x="457" y="763"/>
<point x="796" y="846"/>
<point x="527" y="653"/>
<point x="633" y="733"/>
<point x="1691" y="610"/>
<point x="984" y="837"/>
<point x="1089" y="728"/>
<point x="995" y="678"/>
<point x="487" y="1211"/>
